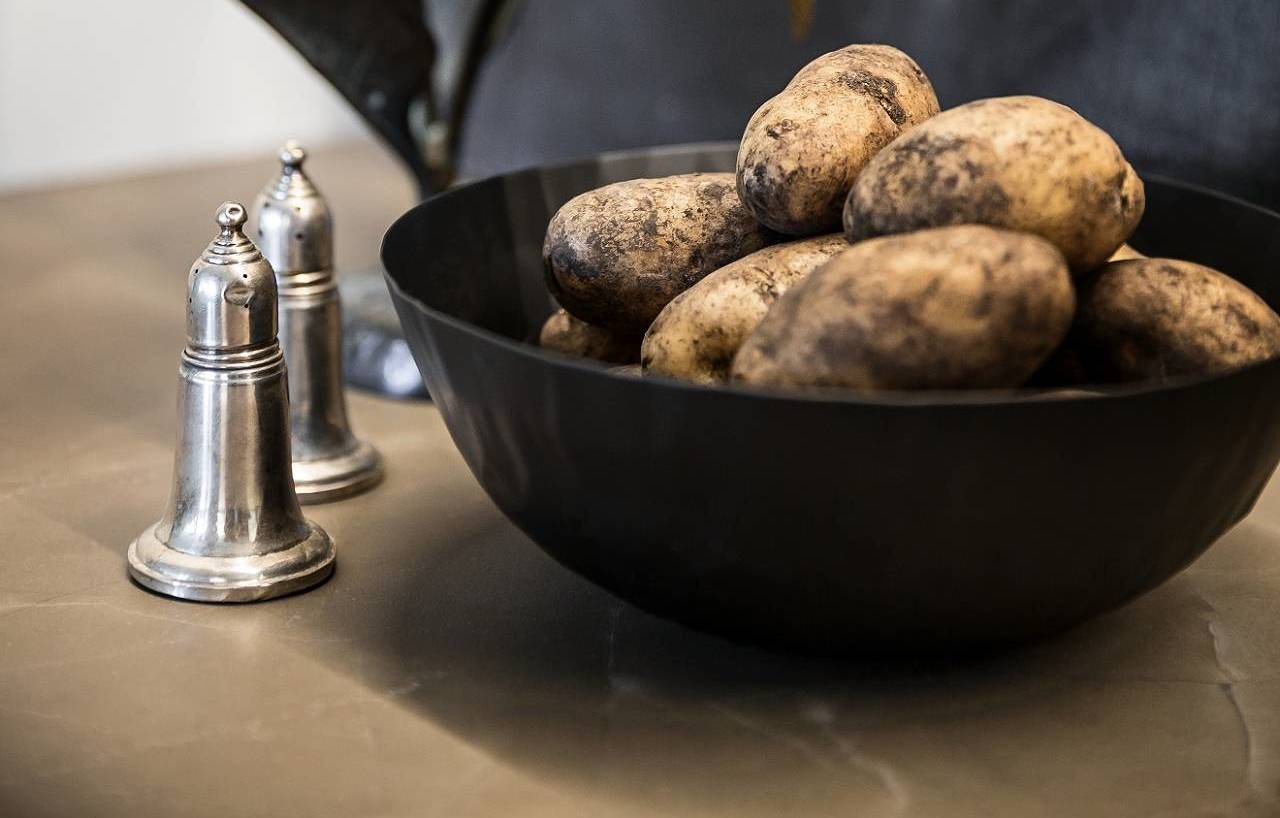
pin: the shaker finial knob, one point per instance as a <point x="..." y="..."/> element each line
<point x="231" y="216"/>
<point x="292" y="155"/>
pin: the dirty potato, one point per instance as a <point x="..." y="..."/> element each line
<point x="696" y="336"/>
<point x="1022" y="163"/>
<point x="1064" y="367"/>
<point x="617" y="255"/>
<point x="950" y="308"/>
<point x="1157" y="318"/>
<point x="803" y="148"/>
<point x="1125" y="252"/>
<point x="569" y="336"/>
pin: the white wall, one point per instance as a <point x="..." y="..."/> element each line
<point x="98" y="88"/>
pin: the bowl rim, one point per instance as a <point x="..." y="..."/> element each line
<point x="1019" y="395"/>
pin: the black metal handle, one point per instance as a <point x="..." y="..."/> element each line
<point x="413" y="88"/>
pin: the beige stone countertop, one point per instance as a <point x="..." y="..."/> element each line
<point x="450" y="668"/>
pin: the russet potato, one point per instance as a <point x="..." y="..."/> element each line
<point x="962" y="307"/>
<point x="803" y="149"/>
<point x="696" y="336"/>
<point x="1020" y="163"/>
<point x="615" y="256"/>
<point x="1157" y="318"/>
<point x="569" y="336"/>
<point x="1125" y="252"/>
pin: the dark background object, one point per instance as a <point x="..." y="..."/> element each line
<point x="378" y="55"/>
<point x="841" y="522"/>
<point x="1188" y="88"/>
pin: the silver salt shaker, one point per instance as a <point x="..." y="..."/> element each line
<point x="232" y="530"/>
<point x="294" y="229"/>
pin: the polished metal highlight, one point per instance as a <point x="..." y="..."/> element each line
<point x="233" y="530"/>
<point x="295" y="233"/>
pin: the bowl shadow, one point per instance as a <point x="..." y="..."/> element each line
<point x="487" y="637"/>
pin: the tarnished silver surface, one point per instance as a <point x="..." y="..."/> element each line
<point x="233" y="530"/>
<point x="294" y="230"/>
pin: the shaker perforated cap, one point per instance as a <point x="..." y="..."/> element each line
<point x="231" y="290"/>
<point x="294" y="227"/>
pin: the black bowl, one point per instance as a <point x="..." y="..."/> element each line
<point x="837" y="522"/>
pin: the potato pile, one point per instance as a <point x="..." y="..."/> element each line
<point x="870" y="241"/>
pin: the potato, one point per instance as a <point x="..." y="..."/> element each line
<point x="617" y="255"/>
<point x="1157" y="318"/>
<point x="949" y="308"/>
<point x="1125" y="253"/>
<point x="802" y="149"/>
<point x="1063" y="370"/>
<point x="1022" y="163"/>
<point x="696" y="336"/>
<point x="569" y="336"/>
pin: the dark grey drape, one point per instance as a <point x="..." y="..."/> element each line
<point x="1190" y="88"/>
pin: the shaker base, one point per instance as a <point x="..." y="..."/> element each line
<point x="157" y="567"/>
<point x="333" y="478"/>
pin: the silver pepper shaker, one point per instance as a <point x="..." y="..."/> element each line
<point x="233" y="530"/>
<point x="295" y="231"/>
